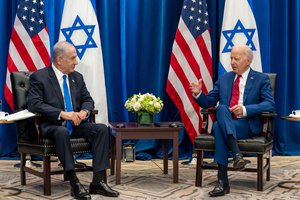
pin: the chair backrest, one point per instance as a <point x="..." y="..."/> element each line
<point x="20" y="86"/>
<point x="272" y="77"/>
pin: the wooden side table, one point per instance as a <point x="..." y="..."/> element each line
<point x="133" y="131"/>
<point x="282" y="184"/>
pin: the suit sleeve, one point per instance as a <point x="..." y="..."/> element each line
<point x="36" y="102"/>
<point x="211" y="99"/>
<point x="266" y="102"/>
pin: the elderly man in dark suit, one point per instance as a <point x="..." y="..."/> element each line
<point x="242" y="95"/>
<point x="59" y="93"/>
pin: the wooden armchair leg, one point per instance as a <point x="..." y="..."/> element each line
<point x="47" y="179"/>
<point x="199" y="171"/>
<point x="22" y="172"/>
<point x="268" y="160"/>
<point x="260" y="173"/>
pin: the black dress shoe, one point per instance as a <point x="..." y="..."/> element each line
<point x="79" y="192"/>
<point x="103" y="189"/>
<point x="238" y="162"/>
<point x="219" y="190"/>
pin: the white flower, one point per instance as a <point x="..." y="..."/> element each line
<point x="144" y="102"/>
<point x="137" y="106"/>
<point x="157" y="105"/>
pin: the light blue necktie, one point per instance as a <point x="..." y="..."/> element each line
<point x="67" y="102"/>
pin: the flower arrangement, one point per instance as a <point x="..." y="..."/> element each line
<point x="144" y="102"/>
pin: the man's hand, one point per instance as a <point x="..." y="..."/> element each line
<point x="237" y="110"/>
<point x="82" y="115"/>
<point x="196" y="87"/>
<point x="73" y="116"/>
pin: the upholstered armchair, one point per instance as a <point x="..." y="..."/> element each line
<point x="261" y="146"/>
<point x="29" y="138"/>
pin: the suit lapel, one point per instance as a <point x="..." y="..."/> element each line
<point x="249" y="84"/>
<point x="56" y="87"/>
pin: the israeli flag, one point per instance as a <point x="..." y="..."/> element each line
<point x="238" y="28"/>
<point x="79" y="26"/>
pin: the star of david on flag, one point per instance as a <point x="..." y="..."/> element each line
<point x="78" y="25"/>
<point x="238" y="28"/>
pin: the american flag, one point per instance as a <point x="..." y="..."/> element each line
<point x="29" y="47"/>
<point x="190" y="61"/>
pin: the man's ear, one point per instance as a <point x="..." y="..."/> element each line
<point x="59" y="60"/>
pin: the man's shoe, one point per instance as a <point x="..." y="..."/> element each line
<point x="79" y="192"/>
<point x="103" y="189"/>
<point x="238" y="162"/>
<point x="219" y="190"/>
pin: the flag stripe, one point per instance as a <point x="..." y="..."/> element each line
<point x="29" y="45"/>
<point x="182" y="81"/>
<point x="206" y="57"/>
<point x="41" y="48"/>
<point x="196" y="52"/>
<point x="188" y="114"/>
<point x="190" y="61"/>
<point x="191" y="123"/>
<point x="187" y="54"/>
<point x="22" y="51"/>
<point x="29" y="48"/>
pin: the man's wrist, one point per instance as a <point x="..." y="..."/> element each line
<point x="87" y="112"/>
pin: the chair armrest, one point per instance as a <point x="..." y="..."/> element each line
<point x="38" y="132"/>
<point x="268" y="114"/>
<point x="208" y="111"/>
<point x="205" y="119"/>
<point x="267" y="118"/>
<point x="92" y="116"/>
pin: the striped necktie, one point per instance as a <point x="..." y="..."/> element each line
<point x="67" y="102"/>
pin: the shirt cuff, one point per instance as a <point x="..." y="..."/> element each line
<point x="197" y="96"/>
<point x="244" y="111"/>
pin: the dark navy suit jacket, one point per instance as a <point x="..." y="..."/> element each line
<point x="45" y="96"/>
<point x="257" y="96"/>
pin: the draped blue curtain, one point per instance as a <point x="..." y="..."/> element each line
<point x="137" y="38"/>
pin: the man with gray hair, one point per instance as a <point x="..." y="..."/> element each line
<point x="59" y="93"/>
<point x="242" y="95"/>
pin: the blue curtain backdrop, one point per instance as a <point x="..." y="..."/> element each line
<point x="137" y="38"/>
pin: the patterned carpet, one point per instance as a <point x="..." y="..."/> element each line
<point x="145" y="180"/>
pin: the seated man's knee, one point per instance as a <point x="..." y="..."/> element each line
<point x="62" y="133"/>
<point x="102" y="129"/>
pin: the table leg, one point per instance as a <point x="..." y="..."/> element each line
<point x="112" y="155"/>
<point x="165" y="150"/>
<point x="118" y="157"/>
<point x="175" y="157"/>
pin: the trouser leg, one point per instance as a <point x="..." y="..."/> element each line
<point x="61" y="138"/>
<point x="98" y="136"/>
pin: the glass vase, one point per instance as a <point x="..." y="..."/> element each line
<point x="145" y="118"/>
